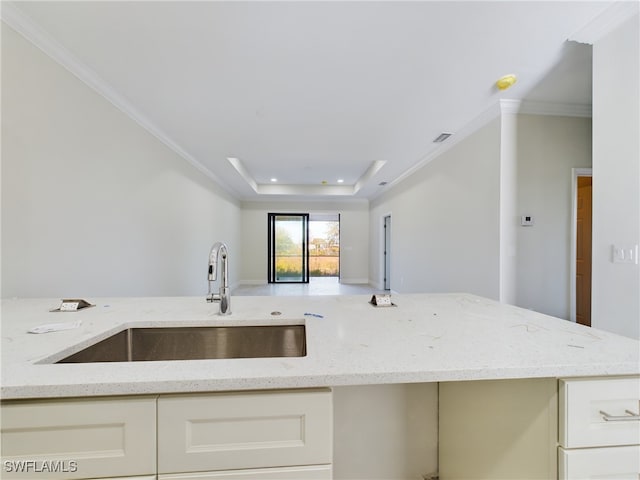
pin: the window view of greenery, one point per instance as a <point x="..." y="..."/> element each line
<point x="288" y="249"/>
<point x="324" y="249"/>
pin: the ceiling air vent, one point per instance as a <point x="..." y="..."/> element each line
<point x="442" y="137"/>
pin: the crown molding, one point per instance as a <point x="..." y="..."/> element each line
<point x="508" y="106"/>
<point x="12" y="16"/>
<point x="529" y="107"/>
<point x="25" y="26"/>
<point x="374" y="168"/>
<point x="304" y="190"/>
<point x="556" y="109"/>
<point x="612" y="17"/>
<point x="315" y="204"/>
<point x="502" y="107"/>
<point x="244" y="173"/>
<point x="481" y="120"/>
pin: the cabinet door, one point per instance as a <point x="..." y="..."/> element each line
<point x="228" y="431"/>
<point x="78" y="438"/>
<point x="313" y="472"/>
<point x="620" y="463"/>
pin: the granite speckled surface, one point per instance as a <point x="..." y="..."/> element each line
<point x="425" y="338"/>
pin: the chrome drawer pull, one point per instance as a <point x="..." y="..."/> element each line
<point x="629" y="417"/>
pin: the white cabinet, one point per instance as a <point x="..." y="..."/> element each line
<point x="245" y="436"/>
<point x="246" y="430"/>
<point x="599" y="428"/>
<point x="599" y="463"/>
<point x="74" y="438"/>
<point x="313" y="472"/>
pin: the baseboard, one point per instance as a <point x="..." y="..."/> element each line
<point x="354" y="281"/>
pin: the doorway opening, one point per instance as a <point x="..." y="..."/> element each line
<point x="581" y="247"/>
<point x="387" y="252"/>
<point x="303" y="246"/>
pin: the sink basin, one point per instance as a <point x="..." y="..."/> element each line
<point x="196" y="343"/>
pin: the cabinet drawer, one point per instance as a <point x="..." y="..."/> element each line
<point x="78" y="438"/>
<point x="312" y="472"/>
<point x="599" y="463"/>
<point x="229" y="431"/>
<point x="582" y="401"/>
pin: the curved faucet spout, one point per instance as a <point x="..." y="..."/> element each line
<point x="217" y="249"/>
<point x="219" y="252"/>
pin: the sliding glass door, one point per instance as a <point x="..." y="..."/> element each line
<point x="324" y="245"/>
<point x="288" y="248"/>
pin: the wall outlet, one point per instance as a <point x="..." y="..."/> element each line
<point x="624" y="254"/>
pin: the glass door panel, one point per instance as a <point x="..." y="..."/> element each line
<point x="288" y="248"/>
<point x="324" y="245"/>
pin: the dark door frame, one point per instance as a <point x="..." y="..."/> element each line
<point x="387" y="252"/>
<point x="271" y="246"/>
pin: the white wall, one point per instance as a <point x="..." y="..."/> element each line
<point x="547" y="149"/>
<point x="92" y="204"/>
<point x="449" y="219"/>
<point x="616" y="178"/>
<point x="354" y="242"/>
<point x="445" y="222"/>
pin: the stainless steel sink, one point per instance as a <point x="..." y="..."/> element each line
<point x="196" y="343"/>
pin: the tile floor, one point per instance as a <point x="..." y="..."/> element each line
<point x="316" y="286"/>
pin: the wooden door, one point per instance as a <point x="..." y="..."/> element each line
<point x="583" y="252"/>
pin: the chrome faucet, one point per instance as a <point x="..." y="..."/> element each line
<point x="219" y="250"/>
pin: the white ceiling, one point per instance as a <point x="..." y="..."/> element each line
<point x="308" y="92"/>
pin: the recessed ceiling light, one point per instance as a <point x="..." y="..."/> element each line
<point x="340" y="180"/>
<point x="274" y="179"/>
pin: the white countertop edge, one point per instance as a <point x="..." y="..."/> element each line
<point x="296" y="382"/>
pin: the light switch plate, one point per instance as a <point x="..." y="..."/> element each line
<point x="526" y="221"/>
<point x="624" y="254"/>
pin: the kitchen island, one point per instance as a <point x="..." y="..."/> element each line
<point x="457" y="341"/>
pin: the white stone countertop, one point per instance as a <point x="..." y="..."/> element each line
<point x="425" y="338"/>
